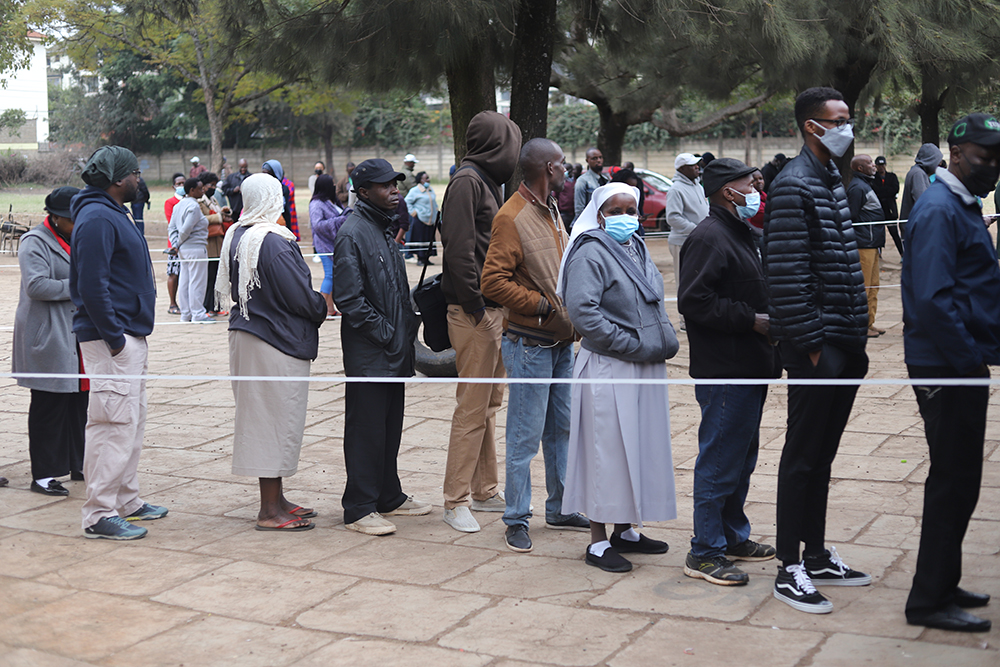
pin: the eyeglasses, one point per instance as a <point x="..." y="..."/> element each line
<point x="838" y="122"/>
<point x="137" y="173"/>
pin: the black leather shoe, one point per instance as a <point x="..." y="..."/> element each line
<point x="950" y="618"/>
<point x="53" y="489"/>
<point x="967" y="599"/>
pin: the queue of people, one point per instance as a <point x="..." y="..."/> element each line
<point x="521" y="292"/>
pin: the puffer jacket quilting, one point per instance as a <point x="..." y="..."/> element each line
<point x="811" y="259"/>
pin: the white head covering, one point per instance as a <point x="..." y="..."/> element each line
<point x="263" y="203"/>
<point x="588" y="219"/>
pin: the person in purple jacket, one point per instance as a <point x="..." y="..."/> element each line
<point x="326" y="215"/>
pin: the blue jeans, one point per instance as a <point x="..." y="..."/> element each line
<point x="728" y="440"/>
<point x="327" y="286"/>
<point x="536" y="413"/>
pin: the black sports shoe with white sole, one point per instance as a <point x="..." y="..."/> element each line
<point x="830" y="570"/>
<point x="794" y="588"/>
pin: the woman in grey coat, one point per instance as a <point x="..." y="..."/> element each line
<point x="44" y="343"/>
<point x="619" y="468"/>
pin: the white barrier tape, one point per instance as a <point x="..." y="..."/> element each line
<point x="343" y="379"/>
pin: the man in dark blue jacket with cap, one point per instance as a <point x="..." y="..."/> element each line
<point x="951" y="329"/>
<point x="111" y="284"/>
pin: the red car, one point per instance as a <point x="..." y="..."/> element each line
<point x="655" y="188"/>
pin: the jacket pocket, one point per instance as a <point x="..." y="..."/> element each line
<point x="109" y="401"/>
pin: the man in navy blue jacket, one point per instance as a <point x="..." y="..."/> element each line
<point x="951" y="329"/>
<point x="111" y="284"/>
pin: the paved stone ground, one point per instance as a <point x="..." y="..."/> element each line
<point x="204" y="588"/>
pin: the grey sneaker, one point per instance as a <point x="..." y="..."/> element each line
<point x="750" y="551"/>
<point x="714" y="569"/>
<point x="114" y="528"/>
<point x="495" y="504"/>
<point x="147" y="513"/>
<point x="461" y="519"/>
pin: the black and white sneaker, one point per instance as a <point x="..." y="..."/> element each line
<point x="794" y="588"/>
<point x="829" y="570"/>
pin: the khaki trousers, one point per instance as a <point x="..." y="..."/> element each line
<point x="472" y="451"/>
<point x="870" y="270"/>
<point x="675" y="253"/>
<point x="116" y="423"/>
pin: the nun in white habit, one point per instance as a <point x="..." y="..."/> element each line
<point x="619" y="468"/>
<point x="273" y="331"/>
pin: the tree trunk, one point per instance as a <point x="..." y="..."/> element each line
<point x="850" y="80"/>
<point x="215" y="127"/>
<point x="932" y="97"/>
<point x="328" y="148"/>
<point x="529" y="87"/>
<point x="611" y="135"/>
<point x="471" y="89"/>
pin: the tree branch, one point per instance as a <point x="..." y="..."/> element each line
<point x="667" y="120"/>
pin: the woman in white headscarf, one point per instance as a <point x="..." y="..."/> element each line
<point x="273" y="331"/>
<point x="619" y="467"/>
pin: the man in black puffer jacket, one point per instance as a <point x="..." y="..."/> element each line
<point x="819" y="317"/>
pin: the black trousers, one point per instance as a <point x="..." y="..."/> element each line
<point x="373" y="427"/>
<point x="56" y="432"/>
<point x="213" y="271"/>
<point x="955" y="426"/>
<point x="817" y="416"/>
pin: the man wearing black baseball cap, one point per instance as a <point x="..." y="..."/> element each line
<point x="886" y="187"/>
<point x="951" y="319"/>
<point x="723" y="297"/>
<point x="377" y="333"/>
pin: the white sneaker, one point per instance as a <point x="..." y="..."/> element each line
<point x="496" y="503"/>
<point x="411" y="507"/>
<point x="461" y="519"/>
<point x="373" y="524"/>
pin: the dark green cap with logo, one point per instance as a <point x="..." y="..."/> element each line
<point x="976" y="128"/>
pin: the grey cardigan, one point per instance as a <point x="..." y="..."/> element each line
<point x="615" y="303"/>
<point x="43" y="326"/>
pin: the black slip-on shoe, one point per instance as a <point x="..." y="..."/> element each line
<point x="952" y="618"/>
<point x="968" y="600"/>
<point x="611" y="561"/>
<point x="53" y="489"/>
<point x="645" y="545"/>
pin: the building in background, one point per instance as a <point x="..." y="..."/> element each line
<point x="27" y="90"/>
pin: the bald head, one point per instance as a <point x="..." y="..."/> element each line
<point x="863" y="164"/>
<point x="536" y="153"/>
<point x="542" y="162"/>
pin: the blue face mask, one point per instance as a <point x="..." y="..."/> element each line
<point x="621" y="227"/>
<point x="750" y="207"/>
<point x="179" y="191"/>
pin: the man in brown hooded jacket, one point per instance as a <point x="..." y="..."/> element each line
<point x="475" y="324"/>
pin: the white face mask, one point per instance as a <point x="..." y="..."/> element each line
<point x="837" y="139"/>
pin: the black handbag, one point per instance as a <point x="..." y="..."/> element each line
<point x="432" y="309"/>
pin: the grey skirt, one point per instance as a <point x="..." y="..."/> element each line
<point x="270" y="416"/>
